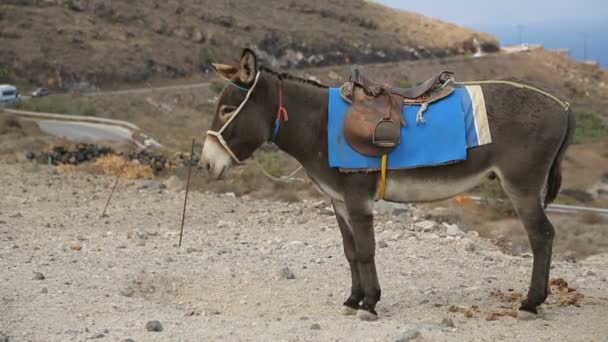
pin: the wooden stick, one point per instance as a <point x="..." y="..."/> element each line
<point x="122" y="168"/>
<point x="181" y="232"/>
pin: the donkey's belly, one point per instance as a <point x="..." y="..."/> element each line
<point x="434" y="185"/>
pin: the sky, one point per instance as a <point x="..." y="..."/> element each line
<point x="485" y="13"/>
<point x="552" y="23"/>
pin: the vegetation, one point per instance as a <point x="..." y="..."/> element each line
<point x="590" y="127"/>
<point x="217" y="86"/>
<point x="493" y="196"/>
<point x="59" y="105"/>
<point x="4" y="75"/>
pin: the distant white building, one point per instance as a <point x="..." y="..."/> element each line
<point x="520" y="48"/>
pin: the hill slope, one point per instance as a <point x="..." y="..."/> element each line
<point x="68" y="44"/>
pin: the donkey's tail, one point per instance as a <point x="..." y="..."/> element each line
<point x="554" y="181"/>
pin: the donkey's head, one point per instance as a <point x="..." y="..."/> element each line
<point x="243" y="119"/>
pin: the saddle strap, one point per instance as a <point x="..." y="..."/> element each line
<point x="383" y="176"/>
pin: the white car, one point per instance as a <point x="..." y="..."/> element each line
<point x="9" y="94"/>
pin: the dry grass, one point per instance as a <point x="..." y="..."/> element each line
<point x="112" y="164"/>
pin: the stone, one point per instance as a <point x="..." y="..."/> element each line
<point x="452" y="230"/>
<point x="191" y="250"/>
<point x="409" y="335"/>
<point x="382" y="244"/>
<point x="223" y="224"/>
<point x="38" y="276"/>
<point x="44" y="290"/>
<point x="127" y="291"/>
<point x="315" y="326"/>
<point x="286" y="273"/>
<point x="470" y="247"/>
<point x="447" y="322"/>
<point x="425" y="226"/>
<point x="75" y="246"/>
<point x="154" y="326"/>
<point x="326" y="211"/>
<point x="174" y="184"/>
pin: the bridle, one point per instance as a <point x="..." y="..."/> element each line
<point x="218" y="134"/>
<point x="282" y="116"/>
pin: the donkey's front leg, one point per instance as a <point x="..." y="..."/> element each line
<point x="351" y="305"/>
<point x="362" y="224"/>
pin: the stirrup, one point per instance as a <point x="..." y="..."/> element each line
<point x="387" y="134"/>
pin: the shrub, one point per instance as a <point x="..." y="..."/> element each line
<point x="492" y="195"/>
<point x="58" y="105"/>
<point x="217" y="86"/>
<point x="590" y="127"/>
<point x="4" y="75"/>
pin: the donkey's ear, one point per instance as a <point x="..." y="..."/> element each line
<point x="227" y="71"/>
<point x="249" y="67"/>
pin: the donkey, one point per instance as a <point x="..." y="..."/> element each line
<point x="530" y="134"/>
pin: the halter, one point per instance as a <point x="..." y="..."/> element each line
<point x="282" y="115"/>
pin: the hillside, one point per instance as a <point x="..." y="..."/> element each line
<point x="84" y="43"/>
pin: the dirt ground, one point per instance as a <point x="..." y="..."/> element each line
<point x="69" y="275"/>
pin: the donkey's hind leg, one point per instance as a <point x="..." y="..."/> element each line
<point x="351" y="305"/>
<point x="540" y="234"/>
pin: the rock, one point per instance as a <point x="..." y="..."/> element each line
<point x="447" y="322"/>
<point x="38" y="276"/>
<point x="382" y="244"/>
<point x="425" y="226"/>
<point x="470" y="247"/>
<point x="174" y="184"/>
<point x="223" y="224"/>
<point x="197" y="37"/>
<point x="286" y="273"/>
<point x="127" y="340"/>
<point x="409" y="335"/>
<point x="98" y="335"/>
<point x="319" y="205"/>
<point x="154" y="326"/>
<point x="441" y="214"/>
<point x="3" y="337"/>
<point x="192" y="250"/>
<point x="333" y="75"/>
<point x="590" y="273"/>
<point x="391" y="209"/>
<point x="315" y="326"/>
<point x="75" y="246"/>
<point x="127" y="291"/>
<point x="452" y="230"/>
<point x="43" y="290"/>
<point x="295" y="245"/>
<point x="326" y="211"/>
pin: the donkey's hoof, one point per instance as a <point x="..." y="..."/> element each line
<point x="523" y="315"/>
<point x="348" y="311"/>
<point x="366" y="316"/>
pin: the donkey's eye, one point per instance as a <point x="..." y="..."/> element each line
<point x="226" y="112"/>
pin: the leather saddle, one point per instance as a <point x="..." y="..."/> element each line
<point x="373" y="123"/>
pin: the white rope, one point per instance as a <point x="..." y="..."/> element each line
<point x="284" y="179"/>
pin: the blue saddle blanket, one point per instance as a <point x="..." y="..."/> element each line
<point x="451" y="126"/>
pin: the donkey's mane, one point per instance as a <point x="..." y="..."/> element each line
<point x="284" y="75"/>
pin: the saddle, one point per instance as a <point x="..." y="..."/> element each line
<point x="373" y="123"/>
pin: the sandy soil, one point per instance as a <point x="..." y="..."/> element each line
<point x="108" y="277"/>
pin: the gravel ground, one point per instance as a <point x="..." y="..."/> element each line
<point x="253" y="271"/>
